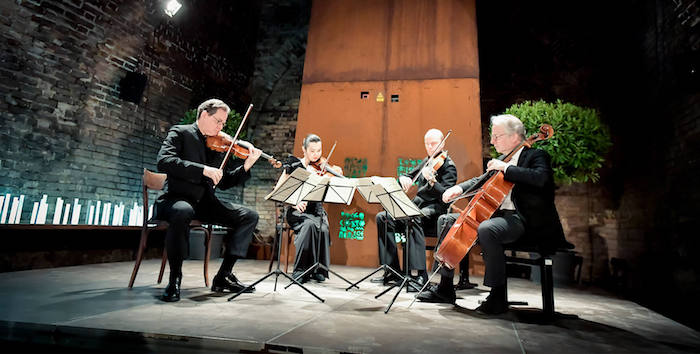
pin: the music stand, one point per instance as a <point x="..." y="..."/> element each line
<point x="329" y="190"/>
<point x="399" y="207"/>
<point x="365" y="187"/>
<point x="299" y="183"/>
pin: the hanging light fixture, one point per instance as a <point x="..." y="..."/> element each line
<point x="172" y="7"/>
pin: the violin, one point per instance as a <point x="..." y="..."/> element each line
<point x="322" y="168"/>
<point x="487" y="199"/>
<point x="241" y="149"/>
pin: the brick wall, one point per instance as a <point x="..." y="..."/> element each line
<point x="64" y="129"/>
<point x="276" y="87"/>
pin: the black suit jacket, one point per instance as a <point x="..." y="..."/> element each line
<point x="533" y="196"/>
<point x="431" y="196"/>
<point x="183" y="156"/>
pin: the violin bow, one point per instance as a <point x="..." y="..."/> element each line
<point x="329" y="157"/>
<point x="233" y="141"/>
<point x="240" y="127"/>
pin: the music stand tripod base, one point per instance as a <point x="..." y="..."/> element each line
<point x="406" y="279"/>
<point x="277" y="272"/>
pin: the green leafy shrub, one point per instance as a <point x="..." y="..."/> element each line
<point x="579" y="143"/>
<point x="232" y="122"/>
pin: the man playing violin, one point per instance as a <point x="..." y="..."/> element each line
<point x="431" y="185"/>
<point x="309" y="220"/>
<point x="528" y="209"/>
<point x="193" y="174"/>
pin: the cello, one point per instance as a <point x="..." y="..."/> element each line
<point x="492" y="191"/>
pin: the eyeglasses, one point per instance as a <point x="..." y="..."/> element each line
<point x="496" y="137"/>
<point x="219" y="121"/>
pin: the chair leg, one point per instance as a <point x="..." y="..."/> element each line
<point x="207" y="254"/>
<point x="547" y="282"/>
<point x="286" y="260"/>
<point x="139" y="257"/>
<point x="162" y="265"/>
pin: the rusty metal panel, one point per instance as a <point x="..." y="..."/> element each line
<point x="369" y="40"/>
<point x="382" y="132"/>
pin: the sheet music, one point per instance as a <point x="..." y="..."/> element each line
<point x="333" y="190"/>
<point x="365" y="184"/>
<point x="297" y="185"/>
<point x="395" y="201"/>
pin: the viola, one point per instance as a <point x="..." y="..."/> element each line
<point x="435" y="161"/>
<point x="463" y="234"/>
<point x="241" y="149"/>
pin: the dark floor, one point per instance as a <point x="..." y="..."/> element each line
<point x="89" y="308"/>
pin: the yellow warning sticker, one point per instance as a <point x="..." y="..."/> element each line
<point x="380" y="97"/>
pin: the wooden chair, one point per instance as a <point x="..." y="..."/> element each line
<point x="156" y="181"/>
<point x="287" y="237"/>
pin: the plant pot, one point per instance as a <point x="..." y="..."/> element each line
<point x="197" y="244"/>
<point x="564" y="266"/>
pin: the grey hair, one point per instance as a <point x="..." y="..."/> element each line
<point x="212" y="105"/>
<point x="510" y="123"/>
<point x="311" y="138"/>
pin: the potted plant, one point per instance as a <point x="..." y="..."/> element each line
<point x="580" y="139"/>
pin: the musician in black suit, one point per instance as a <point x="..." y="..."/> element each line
<point x="193" y="171"/>
<point x="528" y="211"/>
<point x="309" y="220"/>
<point x="431" y="185"/>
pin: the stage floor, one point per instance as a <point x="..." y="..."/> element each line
<point x="90" y="307"/>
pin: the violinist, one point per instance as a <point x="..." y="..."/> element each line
<point x="309" y="220"/>
<point x="431" y="185"/>
<point x="193" y="173"/>
<point x="528" y="209"/>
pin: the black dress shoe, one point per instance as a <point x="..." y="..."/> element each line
<point x="389" y="278"/>
<point x="318" y="277"/>
<point x="417" y="283"/>
<point x="437" y="295"/>
<point x="229" y="283"/>
<point x="492" y="306"/>
<point x="464" y="284"/>
<point x="297" y="274"/>
<point x="172" y="291"/>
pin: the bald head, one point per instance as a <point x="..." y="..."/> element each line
<point x="434" y="133"/>
<point x="432" y="139"/>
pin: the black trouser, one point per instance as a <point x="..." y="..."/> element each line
<point x="388" y="253"/>
<point x="503" y="227"/>
<point x="240" y="220"/>
<point x="309" y="230"/>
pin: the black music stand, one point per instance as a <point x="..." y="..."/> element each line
<point x="291" y="191"/>
<point x="329" y="190"/>
<point x="364" y="186"/>
<point x="399" y="207"/>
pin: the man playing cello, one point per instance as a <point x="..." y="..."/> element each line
<point x="528" y="209"/>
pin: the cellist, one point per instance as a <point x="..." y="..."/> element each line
<point x="527" y="210"/>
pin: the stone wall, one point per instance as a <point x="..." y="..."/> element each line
<point x="276" y="87"/>
<point x="65" y="131"/>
